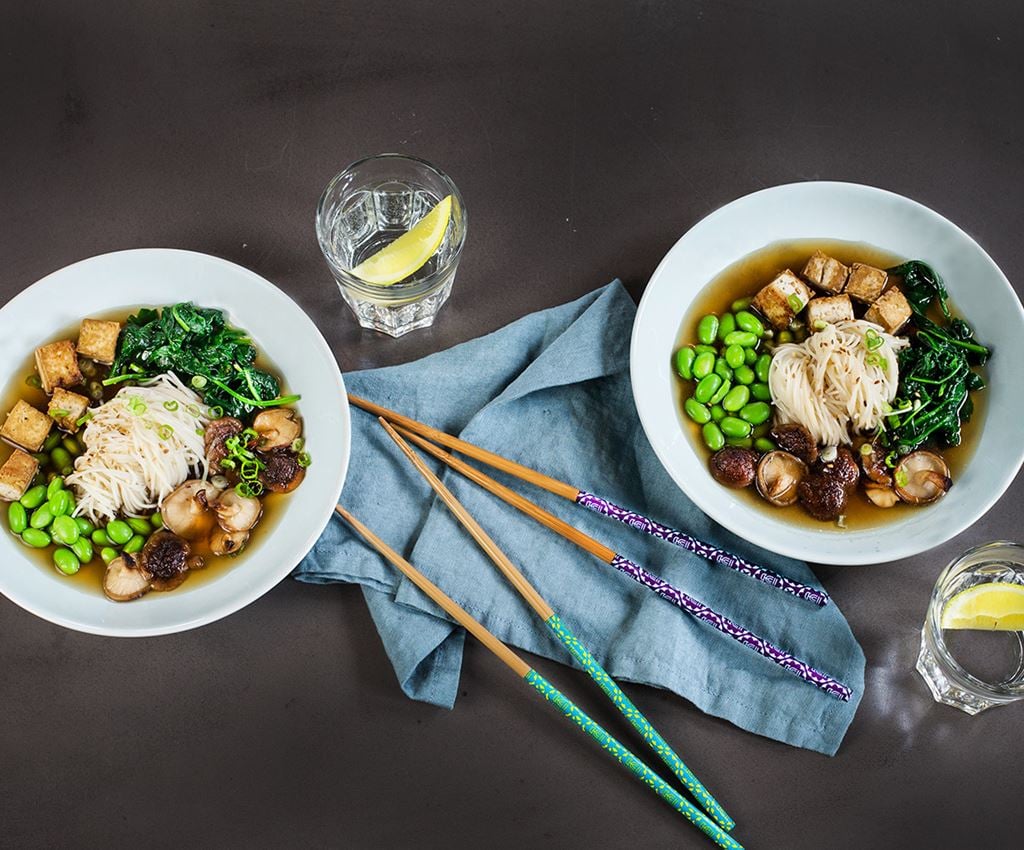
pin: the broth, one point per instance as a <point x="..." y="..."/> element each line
<point x="744" y="278"/>
<point x="90" y="577"/>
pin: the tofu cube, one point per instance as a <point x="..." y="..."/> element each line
<point x="827" y="310"/>
<point x="891" y="310"/>
<point x="826" y="272"/>
<point x="57" y="364"/>
<point x="16" y="474"/>
<point x="26" y="427"/>
<point x="66" y="408"/>
<point x="865" y="283"/>
<point x="97" y="340"/>
<point x="782" y="299"/>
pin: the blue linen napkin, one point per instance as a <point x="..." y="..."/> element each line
<point x="552" y="391"/>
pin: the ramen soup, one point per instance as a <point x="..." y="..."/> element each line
<point x="140" y="449"/>
<point x="830" y="380"/>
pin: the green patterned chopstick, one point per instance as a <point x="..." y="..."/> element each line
<point x="550" y="693"/>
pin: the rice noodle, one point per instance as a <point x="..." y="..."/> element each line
<point x="832" y="384"/>
<point x="140" y="446"/>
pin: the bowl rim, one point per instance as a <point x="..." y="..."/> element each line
<point x="911" y="543"/>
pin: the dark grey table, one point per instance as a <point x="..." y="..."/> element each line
<point x="586" y="138"/>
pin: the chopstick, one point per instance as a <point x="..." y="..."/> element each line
<point x="602" y="506"/>
<point x="550" y="693"/>
<point x="667" y="591"/>
<point x="586" y="660"/>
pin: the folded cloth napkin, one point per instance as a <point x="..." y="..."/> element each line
<point x="552" y="391"/>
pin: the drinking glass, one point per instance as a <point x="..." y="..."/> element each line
<point x="369" y="205"/>
<point x="973" y="669"/>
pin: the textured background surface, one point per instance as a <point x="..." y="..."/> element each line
<point x="585" y="138"/>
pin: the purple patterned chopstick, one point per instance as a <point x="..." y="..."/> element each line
<point x="707" y="615"/>
<point x="691" y="544"/>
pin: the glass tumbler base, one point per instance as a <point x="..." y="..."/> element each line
<point x="397" y="320"/>
<point x="943" y="689"/>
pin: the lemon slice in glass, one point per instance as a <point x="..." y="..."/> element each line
<point x="410" y="251"/>
<point x="998" y="605"/>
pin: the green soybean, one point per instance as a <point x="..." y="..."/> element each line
<point x="51" y="442"/>
<point x="722" y="369"/>
<point x="714" y="439"/>
<point x="157" y="519"/>
<point x="696" y="411"/>
<point x="717" y="413"/>
<point x="740" y="304"/>
<point x="707" y="387"/>
<point x="42" y="458"/>
<point x="17" y="516"/>
<point x="57" y="483"/>
<point x="84" y="526"/>
<point x="762" y="366"/>
<point x="700" y="349"/>
<point x="726" y="325"/>
<point x="108" y="554"/>
<point x="763" y="444"/>
<point x="119" y="532"/>
<point x="135" y="544"/>
<point x="99" y="537"/>
<point x="61" y="503"/>
<point x="745" y="375"/>
<point x="707" y="329"/>
<point x="83" y="549"/>
<point x="756" y="412"/>
<point x="720" y="393"/>
<point x="140" y="526"/>
<point x="784" y="337"/>
<point x="66" y="561"/>
<point x="749" y="356"/>
<point x="734" y="355"/>
<point x="35" y="537"/>
<point x="761" y="392"/>
<point x="762" y="430"/>
<point x="748" y="322"/>
<point x="65" y="530"/>
<point x="34" y="497"/>
<point x="739" y="442"/>
<point x="73" y="447"/>
<point x="736" y="398"/>
<point x="744" y="338"/>
<point x="684" y="362"/>
<point x="703" y="365"/>
<point x="733" y="427"/>
<point x="41" y="517"/>
<point x="62" y="461"/>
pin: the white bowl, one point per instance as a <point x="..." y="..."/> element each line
<point x="282" y="331"/>
<point x="837" y="211"/>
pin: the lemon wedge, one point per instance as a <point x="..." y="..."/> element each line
<point x="997" y="605"/>
<point x="410" y="251"/>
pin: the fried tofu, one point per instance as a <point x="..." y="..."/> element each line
<point x="57" y="364"/>
<point x="865" y="283"/>
<point x="828" y="310"/>
<point x="26" y="427"/>
<point x="826" y="272"/>
<point x="16" y="474"/>
<point x="97" y="340"/>
<point x="782" y="299"/>
<point x="891" y="310"/>
<point x="66" y="408"/>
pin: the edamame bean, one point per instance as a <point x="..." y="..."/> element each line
<point x="763" y="444"/>
<point x="761" y="367"/>
<point x="749" y="356"/>
<point x="734" y="355"/>
<point x="119" y="532"/>
<point x="717" y="413"/>
<point x="703" y="365"/>
<point x="714" y="439"/>
<point x="707" y="387"/>
<point x="57" y="483"/>
<point x="157" y="519"/>
<point x="108" y="554"/>
<point x="747" y="321"/>
<point x="66" y="561"/>
<point x="34" y="497"/>
<point x="736" y="398"/>
<point x="700" y="349"/>
<point x="17" y="516"/>
<point x="720" y="393"/>
<point x="73" y="447"/>
<point x="684" y="362"/>
<point x="744" y="338"/>
<point x="41" y="517"/>
<point x="740" y="304"/>
<point x="62" y="461"/>
<point x="696" y="411"/>
<point x="733" y="427"/>
<point x="35" y="537"/>
<point x="140" y="526"/>
<point x="61" y="503"/>
<point x="722" y="369"/>
<point x="99" y="537"/>
<point x="745" y="375"/>
<point x="83" y="549"/>
<point x="707" y="329"/>
<point x="756" y="412"/>
<point x="784" y="336"/>
<point x="84" y="526"/>
<point x="761" y="392"/>
<point x="726" y="325"/>
<point x="51" y="442"/>
<point x="762" y="430"/>
<point x="739" y="442"/>
<point x="65" y="530"/>
<point x="134" y="545"/>
<point x="42" y="458"/>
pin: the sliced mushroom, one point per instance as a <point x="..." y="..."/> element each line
<point x="733" y="466"/>
<point x="125" y="579"/>
<point x="281" y="472"/>
<point x="216" y="434"/>
<point x="778" y="475"/>
<point x="227" y="542"/>
<point x="880" y="495"/>
<point x="187" y="511"/>
<point x="797" y="440"/>
<point x="237" y="513"/>
<point x="278" y="428"/>
<point x="921" y="477"/>
<point x="165" y="556"/>
<point x="872" y="461"/>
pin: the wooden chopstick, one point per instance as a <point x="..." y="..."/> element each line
<point x="576" y="648"/>
<point x="550" y="693"/>
<point x="667" y="591"/>
<point x="604" y="507"/>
